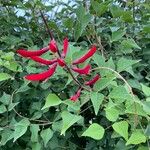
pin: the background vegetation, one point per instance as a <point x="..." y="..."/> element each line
<point x="115" y="115"/>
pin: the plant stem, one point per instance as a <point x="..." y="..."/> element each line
<point x="45" y="22"/>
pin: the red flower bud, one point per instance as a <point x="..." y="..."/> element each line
<point x="85" y="70"/>
<point x="65" y="47"/>
<point x="61" y="62"/>
<point x="76" y="96"/>
<point x="26" y="53"/>
<point x="43" y="61"/>
<point x="42" y="76"/>
<point x="93" y="81"/>
<point x="53" y="46"/>
<point x="85" y="56"/>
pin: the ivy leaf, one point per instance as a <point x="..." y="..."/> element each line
<point x="121" y="128"/>
<point x="103" y="83"/>
<point x="136" y="137"/>
<point x="5" y="99"/>
<point x="34" y="128"/>
<point x="117" y="35"/>
<point x="36" y="146"/>
<point x="120" y="94"/>
<point x="20" y="128"/>
<point x="112" y="113"/>
<point x="100" y="8"/>
<point x="6" y="135"/>
<point x="124" y="64"/>
<point x="96" y="99"/>
<point x="94" y="131"/>
<point x="2" y="109"/>
<point x="52" y="100"/>
<point x="139" y="109"/>
<point x="146" y="106"/>
<point x="129" y="43"/>
<point x="68" y="120"/>
<point x="46" y="135"/>
<point x="4" y="76"/>
<point x="146" y="90"/>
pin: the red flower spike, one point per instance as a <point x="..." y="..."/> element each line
<point x="42" y="76"/>
<point x="93" y="81"/>
<point x="85" y="56"/>
<point x="85" y="70"/>
<point x="61" y="62"/>
<point x="53" y="46"/>
<point x="65" y="47"/>
<point x="43" y="61"/>
<point x="26" y="53"/>
<point x="76" y="96"/>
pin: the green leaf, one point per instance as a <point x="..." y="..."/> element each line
<point x="112" y="113"/>
<point x="117" y="35"/>
<point x="2" y="109"/>
<point x="103" y="83"/>
<point x="127" y="16"/>
<point x="6" y="135"/>
<point x="135" y="108"/>
<point x="121" y="128"/>
<point x="4" y="76"/>
<point x="146" y="90"/>
<point x="36" y="146"/>
<point x="12" y="105"/>
<point x="5" y="99"/>
<point x="120" y="94"/>
<point x="80" y="12"/>
<point x="116" y="11"/>
<point x="83" y="20"/>
<point x="100" y="8"/>
<point x="129" y="43"/>
<point x="8" y="56"/>
<point x="52" y="100"/>
<point x="96" y="99"/>
<point x="99" y="60"/>
<point x="34" y="128"/>
<point x="13" y="66"/>
<point x="46" y="135"/>
<point x="20" y="128"/>
<point x="68" y="120"/>
<point x="94" y="131"/>
<point x="124" y="64"/>
<point x="136" y="137"/>
<point x="146" y="107"/>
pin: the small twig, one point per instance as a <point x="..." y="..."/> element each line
<point x="98" y="39"/>
<point x="45" y="22"/>
<point x="37" y="120"/>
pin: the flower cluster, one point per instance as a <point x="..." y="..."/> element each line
<point x="60" y="60"/>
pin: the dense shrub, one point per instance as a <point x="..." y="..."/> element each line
<point x="112" y="112"/>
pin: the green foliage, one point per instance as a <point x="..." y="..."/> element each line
<point x="94" y="131"/>
<point x="114" y="113"/>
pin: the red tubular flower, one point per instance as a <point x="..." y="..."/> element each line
<point x="85" y="56"/>
<point x="93" y="81"/>
<point x="65" y="47"/>
<point x="42" y="76"/>
<point x="85" y="70"/>
<point x="76" y="96"/>
<point x="53" y="46"/>
<point x="61" y="62"/>
<point x="43" y="61"/>
<point x="26" y="53"/>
